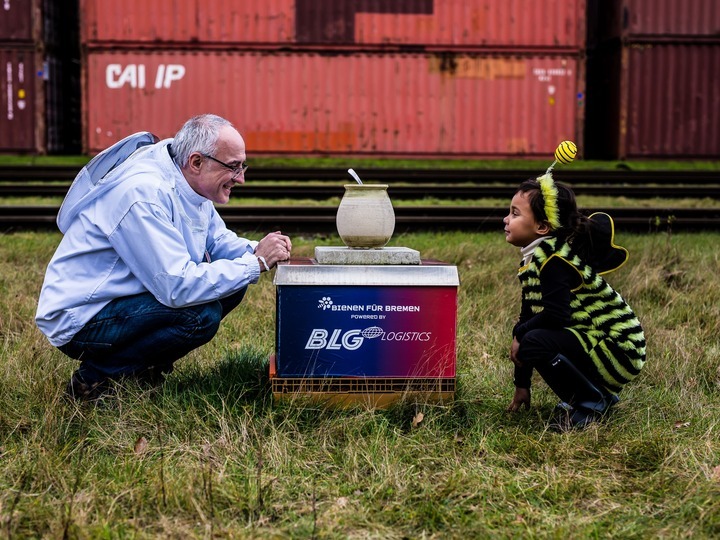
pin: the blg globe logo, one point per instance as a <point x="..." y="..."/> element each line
<point x="372" y="332"/>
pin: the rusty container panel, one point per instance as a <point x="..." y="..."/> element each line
<point x="21" y="96"/>
<point x="671" y="18"/>
<point x="188" y="22"/>
<point x="670" y="101"/>
<point x="444" y="23"/>
<point x="653" y="20"/>
<point x="338" y="23"/>
<point x="371" y="104"/>
<point x="19" y="20"/>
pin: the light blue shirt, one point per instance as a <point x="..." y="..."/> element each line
<point x="140" y="228"/>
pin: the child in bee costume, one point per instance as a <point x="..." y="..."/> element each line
<point x="574" y="329"/>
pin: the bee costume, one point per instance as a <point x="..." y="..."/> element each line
<point x="574" y="328"/>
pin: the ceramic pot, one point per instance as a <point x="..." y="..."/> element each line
<point x="365" y="217"/>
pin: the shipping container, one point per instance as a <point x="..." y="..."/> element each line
<point x="41" y="102"/>
<point x="374" y="104"/>
<point x="670" y="101"/>
<point x="357" y="24"/>
<point x="668" y="18"/>
<point x="40" y="52"/>
<point x="660" y="100"/>
<point x="19" y="21"/>
<point x="654" y="20"/>
<point x="45" y="24"/>
<point x="22" y="126"/>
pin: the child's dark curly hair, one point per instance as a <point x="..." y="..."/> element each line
<point x="573" y="223"/>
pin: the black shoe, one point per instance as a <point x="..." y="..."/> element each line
<point x="566" y="417"/>
<point x="79" y="390"/>
<point x="572" y="419"/>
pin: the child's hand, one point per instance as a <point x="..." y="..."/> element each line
<point x="520" y="399"/>
<point x="514" y="351"/>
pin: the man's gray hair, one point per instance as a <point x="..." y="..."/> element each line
<point x="199" y="134"/>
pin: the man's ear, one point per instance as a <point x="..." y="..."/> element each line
<point x="543" y="228"/>
<point x="195" y="161"/>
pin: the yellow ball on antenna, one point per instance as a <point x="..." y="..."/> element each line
<point x="565" y="152"/>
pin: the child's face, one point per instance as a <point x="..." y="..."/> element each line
<point x="521" y="227"/>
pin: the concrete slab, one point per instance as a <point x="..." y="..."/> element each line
<point x="346" y="255"/>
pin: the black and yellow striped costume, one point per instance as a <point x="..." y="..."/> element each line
<point x="601" y="319"/>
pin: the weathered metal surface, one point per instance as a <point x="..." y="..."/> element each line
<point x="653" y="20"/>
<point x="39" y="45"/>
<point x="19" y="21"/>
<point x="666" y="18"/>
<point x="670" y="101"/>
<point x="21" y="125"/>
<point x="344" y="23"/>
<point x="376" y="104"/>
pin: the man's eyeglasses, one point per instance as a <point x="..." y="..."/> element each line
<point x="237" y="171"/>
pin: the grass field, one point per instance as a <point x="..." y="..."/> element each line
<point x="210" y="455"/>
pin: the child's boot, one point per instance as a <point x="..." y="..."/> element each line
<point x="582" y="401"/>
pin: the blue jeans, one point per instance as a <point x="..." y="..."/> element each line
<point x="137" y="335"/>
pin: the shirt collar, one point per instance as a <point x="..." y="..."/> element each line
<point x="528" y="250"/>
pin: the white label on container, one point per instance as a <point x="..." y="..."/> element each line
<point x="134" y="75"/>
<point x="9" y="73"/>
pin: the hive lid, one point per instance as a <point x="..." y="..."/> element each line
<point x="306" y="271"/>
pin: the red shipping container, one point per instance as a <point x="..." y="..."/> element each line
<point x="655" y="19"/>
<point x="670" y="101"/>
<point x="375" y="104"/>
<point x="22" y="126"/>
<point x="666" y="18"/>
<point x="19" y="21"/>
<point x="356" y="24"/>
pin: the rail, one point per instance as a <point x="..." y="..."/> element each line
<point x="405" y="184"/>
<point x="311" y="219"/>
<point x="444" y="192"/>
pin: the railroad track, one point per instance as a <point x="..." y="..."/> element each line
<point x="313" y="219"/>
<point x="404" y="184"/>
<point x="467" y="192"/>
<point x="30" y="173"/>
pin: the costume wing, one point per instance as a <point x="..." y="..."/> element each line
<point x="606" y="257"/>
